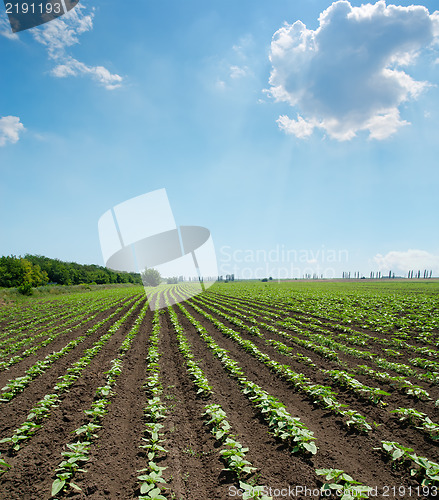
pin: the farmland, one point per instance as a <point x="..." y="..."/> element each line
<point x="249" y="390"/>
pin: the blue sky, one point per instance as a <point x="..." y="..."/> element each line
<point x="304" y="126"/>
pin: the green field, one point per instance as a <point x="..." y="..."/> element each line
<point x="249" y="389"/>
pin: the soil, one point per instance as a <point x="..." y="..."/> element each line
<point x="194" y="469"/>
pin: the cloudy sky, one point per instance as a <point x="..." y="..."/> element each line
<point x="303" y="134"/>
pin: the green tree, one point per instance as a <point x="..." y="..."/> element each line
<point x="45" y="269"/>
<point x="33" y="274"/>
<point x="10" y="272"/>
<point x="21" y="273"/>
<point x="151" y="277"/>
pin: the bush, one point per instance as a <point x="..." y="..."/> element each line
<point x="25" y="289"/>
<point x="151" y="277"/>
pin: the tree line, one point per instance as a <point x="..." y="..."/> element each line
<point x="37" y="270"/>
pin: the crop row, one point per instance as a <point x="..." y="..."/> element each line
<point x="41" y="313"/>
<point x="48" y="324"/>
<point x="319" y="394"/>
<point x="399" y="312"/>
<point x="328" y="351"/>
<point x="325" y="339"/>
<point x="285" y="427"/>
<point x="17" y="385"/>
<point x="344" y="379"/>
<point x="151" y="478"/>
<point x="426" y="471"/>
<point x="79" y="450"/>
<point x="233" y="452"/>
<point x="53" y="335"/>
<point x="289" y="429"/>
<point x="42" y="409"/>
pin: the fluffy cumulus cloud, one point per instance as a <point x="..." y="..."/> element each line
<point x="72" y="67"/>
<point x="410" y="260"/>
<point x="10" y="129"/>
<point x="349" y="74"/>
<point x="61" y="34"/>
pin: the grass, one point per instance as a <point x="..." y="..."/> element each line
<point x="11" y="296"/>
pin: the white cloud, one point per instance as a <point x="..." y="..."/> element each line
<point x="61" y="34"/>
<point x="402" y="262"/>
<point x="346" y="76"/>
<point x="385" y="124"/>
<point x="300" y="127"/>
<point x="10" y="128"/>
<point x="237" y="71"/>
<point x="5" y="27"/>
<point x="72" y="67"/>
<point x="235" y="66"/>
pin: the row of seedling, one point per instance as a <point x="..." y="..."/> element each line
<point x="285" y="427"/>
<point x="343" y="379"/>
<point x="52" y="336"/>
<point x="17" y="385"/>
<point x="196" y="373"/>
<point x="233" y="453"/>
<point x="326" y="347"/>
<point x="151" y="477"/>
<point x="36" y="317"/>
<point x="58" y="320"/>
<point x="421" y="468"/>
<point x="363" y="338"/>
<point x="236" y="318"/>
<point x="78" y="453"/>
<point x="325" y="340"/>
<point x="322" y="350"/>
<point x="370" y="310"/>
<point x="397" y="381"/>
<point x="289" y="351"/>
<point x="43" y="408"/>
<point x="49" y="319"/>
<point x="419" y="420"/>
<point x="321" y="395"/>
<point x="375" y="394"/>
<point x="281" y="423"/>
<point x="326" y="396"/>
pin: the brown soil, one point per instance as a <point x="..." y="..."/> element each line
<point x="194" y="466"/>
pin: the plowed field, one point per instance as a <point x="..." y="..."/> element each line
<point x="307" y="378"/>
